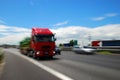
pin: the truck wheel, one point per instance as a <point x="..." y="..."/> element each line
<point x="59" y="53"/>
<point x="51" y="57"/>
<point x="30" y="54"/>
<point x="34" y="56"/>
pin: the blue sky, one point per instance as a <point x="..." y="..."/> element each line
<point x="69" y="19"/>
<point x="46" y="13"/>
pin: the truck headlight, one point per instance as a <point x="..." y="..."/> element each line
<point x="38" y="52"/>
<point x="54" y="52"/>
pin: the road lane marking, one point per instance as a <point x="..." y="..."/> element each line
<point x="50" y="70"/>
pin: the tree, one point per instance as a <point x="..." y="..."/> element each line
<point x="60" y="44"/>
<point x="71" y="42"/>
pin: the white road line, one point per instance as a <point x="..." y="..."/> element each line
<point x="50" y="70"/>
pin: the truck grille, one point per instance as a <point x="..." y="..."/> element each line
<point x="46" y="47"/>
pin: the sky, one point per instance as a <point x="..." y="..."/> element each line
<point x="81" y="20"/>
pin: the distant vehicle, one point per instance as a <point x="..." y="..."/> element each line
<point x="108" y="44"/>
<point x="57" y="50"/>
<point x="84" y="50"/>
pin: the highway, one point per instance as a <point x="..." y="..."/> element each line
<point x="67" y="66"/>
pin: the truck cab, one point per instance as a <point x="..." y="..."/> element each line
<point x="42" y="42"/>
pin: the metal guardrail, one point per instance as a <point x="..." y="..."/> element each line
<point x="66" y="48"/>
<point x="98" y="49"/>
<point x="106" y="47"/>
<point x="111" y="50"/>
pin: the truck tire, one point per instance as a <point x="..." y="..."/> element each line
<point x="34" y="56"/>
<point x="50" y="57"/>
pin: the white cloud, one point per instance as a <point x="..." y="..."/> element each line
<point x="104" y="17"/>
<point x="61" y="23"/>
<point x="98" y="18"/>
<point x="111" y="14"/>
<point x="12" y="35"/>
<point x="13" y="38"/>
<point x="80" y="33"/>
<point x="110" y="31"/>
<point x="12" y="29"/>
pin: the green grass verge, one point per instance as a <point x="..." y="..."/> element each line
<point x="104" y="52"/>
<point x="1" y="55"/>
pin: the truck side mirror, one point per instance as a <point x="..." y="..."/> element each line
<point x="55" y="39"/>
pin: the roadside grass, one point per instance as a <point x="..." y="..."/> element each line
<point x="104" y="52"/>
<point x="1" y="61"/>
<point x="1" y="55"/>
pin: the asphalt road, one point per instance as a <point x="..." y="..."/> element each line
<point x="66" y="66"/>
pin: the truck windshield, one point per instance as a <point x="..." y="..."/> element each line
<point x="44" y="38"/>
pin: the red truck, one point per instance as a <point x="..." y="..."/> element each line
<point x="42" y="43"/>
